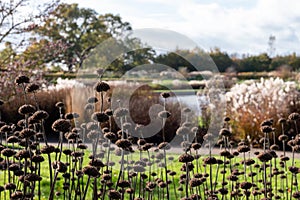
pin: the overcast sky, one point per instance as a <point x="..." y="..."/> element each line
<point x="241" y="26"/>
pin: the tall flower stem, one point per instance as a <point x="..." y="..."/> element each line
<point x="51" y="196"/>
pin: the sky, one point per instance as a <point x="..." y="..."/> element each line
<point x="235" y="26"/>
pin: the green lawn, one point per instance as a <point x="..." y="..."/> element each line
<point x="173" y="165"/>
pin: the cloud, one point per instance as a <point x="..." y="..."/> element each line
<point x="233" y="25"/>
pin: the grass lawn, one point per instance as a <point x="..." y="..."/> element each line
<point x="172" y="164"/>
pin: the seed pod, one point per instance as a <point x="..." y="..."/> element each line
<point x="184" y="158"/>
<point x="101" y="86"/>
<point x="21" y="79"/>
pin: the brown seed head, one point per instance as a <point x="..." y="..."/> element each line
<point x="32" y="87"/>
<point x="101" y="86"/>
<point x="21" y="79"/>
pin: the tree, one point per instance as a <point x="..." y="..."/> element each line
<point x="14" y="22"/>
<point x="255" y="63"/>
<point x="195" y="59"/>
<point x="294" y="62"/>
<point x="81" y="29"/>
<point x="221" y="59"/>
<point x="173" y="60"/>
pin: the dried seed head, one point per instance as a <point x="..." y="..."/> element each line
<point x="162" y="184"/>
<point x="110" y="136"/>
<point x="296" y="195"/>
<point x="274" y="147"/>
<point x="47" y="149"/>
<point x="246" y="185"/>
<point x="123" y="143"/>
<point x="21" y="79"/>
<point x="186" y="110"/>
<point x="226" y="119"/>
<point x="101" y="86"/>
<point x="291" y="143"/>
<point x="268" y="122"/>
<point x="59" y="104"/>
<point x="96" y="163"/>
<point x="12" y="139"/>
<point x="93" y="134"/>
<point x="14" y="167"/>
<point x="17" y="195"/>
<point x="32" y="178"/>
<point x="294" y="116"/>
<point x="210" y="161"/>
<point x="32" y="87"/>
<point x="294" y="169"/>
<point x="61" y="125"/>
<point x="5" y="129"/>
<point x="194" y="182"/>
<point x="121" y="112"/>
<point x="100" y="117"/>
<point x="91" y="126"/>
<point x="209" y="137"/>
<point x="23" y="154"/>
<point x="282" y="121"/>
<point x="225" y="132"/>
<point x="165" y="95"/>
<point x="82" y="146"/>
<point x="182" y="131"/>
<point x="61" y="167"/>
<point x="92" y="100"/>
<point x="27" y="133"/>
<point x="10" y="186"/>
<point x="127" y="125"/>
<point x="283" y="138"/>
<point x="88" y="107"/>
<point x="224" y="153"/>
<point x="37" y="159"/>
<point x="7" y="152"/>
<point x="114" y="194"/>
<point x="266" y="129"/>
<point x="196" y="146"/>
<point x="91" y="171"/>
<point x="264" y="157"/>
<point x="164" y="114"/>
<point x="26" y="109"/>
<point x="147" y="146"/>
<point x="164" y="145"/>
<point x="109" y="112"/>
<point x="243" y="149"/>
<point x="139" y="168"/>
<point x="141" y="142"/>
<point x="40" y="115"/>
<point x="184" y="158"/>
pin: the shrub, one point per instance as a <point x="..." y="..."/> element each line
<point x="258" y="101"/>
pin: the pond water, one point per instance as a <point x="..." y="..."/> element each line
<point x="194" y="102"/>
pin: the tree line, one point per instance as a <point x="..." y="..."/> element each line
<point x="63" y="35"/>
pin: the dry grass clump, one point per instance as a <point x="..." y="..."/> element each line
<point x="259" y="101"/>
